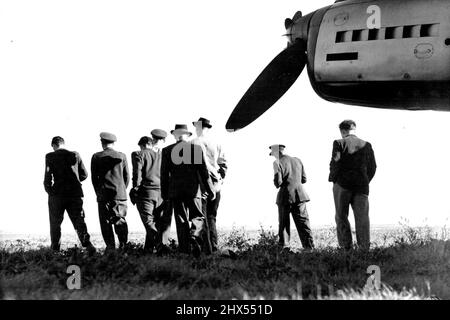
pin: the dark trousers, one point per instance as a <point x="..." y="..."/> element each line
<point x="211" y="216"/>
<point x="185" y="211"/>
<point x="112" y="213"/>
<point x="343" y="199"/>
<point x="74" y="207"/>
<point x="301" y="220"/>
<point x="164" y="222"/>
<point x="150" y="210"/>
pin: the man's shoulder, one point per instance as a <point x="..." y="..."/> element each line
<point x="169" y="147"/>
<point x="50" y="155"/>
<point x="136" y="154"/>
<point x="98" y="154"/>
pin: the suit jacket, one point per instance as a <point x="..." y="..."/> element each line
<point x="184" y="174"/>
<point x="289" y="177"/>
<point x="146" y="172"/>
<point x="110" y="175"/>
<point x="215" y="160"/>
<point x="352" y="164"/>
<point x="64" y="171"/>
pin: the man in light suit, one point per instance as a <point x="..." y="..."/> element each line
<point x="352" y="168"/>
<point x="217" y="167"/>
<point x="289" y="176"/>
<point x="185" y="181"/>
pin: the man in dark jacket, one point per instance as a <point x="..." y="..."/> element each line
<point x="352" y="168"/>
<point x="64" y="171"/>
<point x="110" y="177"/>
<point x="289" y="176"/>
<point x="146" y="185"/>
<point x="185" y="181"/>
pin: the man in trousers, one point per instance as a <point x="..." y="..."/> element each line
<point x="64" y="172"/>
<point x="185" y="181"/>
<point x="289" y="177"/>
<point x="110" y="177"/>
<point x="146" y="189"/>
<point x="352" y="168"/>
<point x="217" y="168"/>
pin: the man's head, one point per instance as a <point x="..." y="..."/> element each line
<point x="107" y="139"/>
<point x="145" y="142"/>
<point x="277" y="150"/>
<point x="181" y="132"/>
<point x="57" y="142"/>
<point x="202" y="126"/>
<point x="347" y="127"/>
<point x="158" y="137"/>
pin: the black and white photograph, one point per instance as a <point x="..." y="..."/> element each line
<point x="236" y="151"/>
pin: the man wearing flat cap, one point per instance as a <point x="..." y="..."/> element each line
<point x="110" y="177"/>
<point x="217" y="168"/>
<point x="146" y="184"/>
<point x="352" y="167"/>
<point x="184" y="181"/>
<point x="64" y="172"/>
<point x="289" y="177"/>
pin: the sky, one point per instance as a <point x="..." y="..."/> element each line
<point x="77" y="68"/>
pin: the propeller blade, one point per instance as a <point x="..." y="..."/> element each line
<point x="270" y="86"/>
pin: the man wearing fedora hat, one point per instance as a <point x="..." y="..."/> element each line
<point x="110" y="178"/>
<point x="184" y="181"/>
<point x="217" y="168"/>
<point x="289" y="177"/>
<point x="146" y="184"/>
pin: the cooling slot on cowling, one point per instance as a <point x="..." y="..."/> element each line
<point x="344" y="56"/>
<point x="388" y="33"/>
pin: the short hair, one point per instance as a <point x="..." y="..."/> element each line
<point x="144" y="141"/>
<point x="347" y="125"/>
<point x="57" y="141"/>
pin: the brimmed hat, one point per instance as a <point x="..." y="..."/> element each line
<point x="205" y="122"/>
<point x="109" y="137"/>
<point x="276" y="148"/>
<point x="181" y="129"/>
<point x="144" y="141"/>
<point x="158" y="134"/>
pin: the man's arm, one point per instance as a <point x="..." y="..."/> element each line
<point x="222" y="163"/>
<point x="48" y="177"/>
<point x="94" y="174"/>
<point x="137" y="163"/>
<point x="82" y="172"/>
<point x="371" y="164"/>
<point x="277" y="176"/>
<point x="304" y="179"/>
<point x="202" y="169"/>
<point x="126" y="171"/>
<point x="334" y="163"/>
<point x="165" y="157"/>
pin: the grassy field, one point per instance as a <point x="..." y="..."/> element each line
<point x="414" y="264"/>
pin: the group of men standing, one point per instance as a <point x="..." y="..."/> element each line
<point x="183" y="179"/>
<point x="352" y="168"/>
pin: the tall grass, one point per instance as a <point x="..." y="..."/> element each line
<point x="414" y="264"/>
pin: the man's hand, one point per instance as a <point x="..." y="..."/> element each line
<point x="133" y="195"/>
